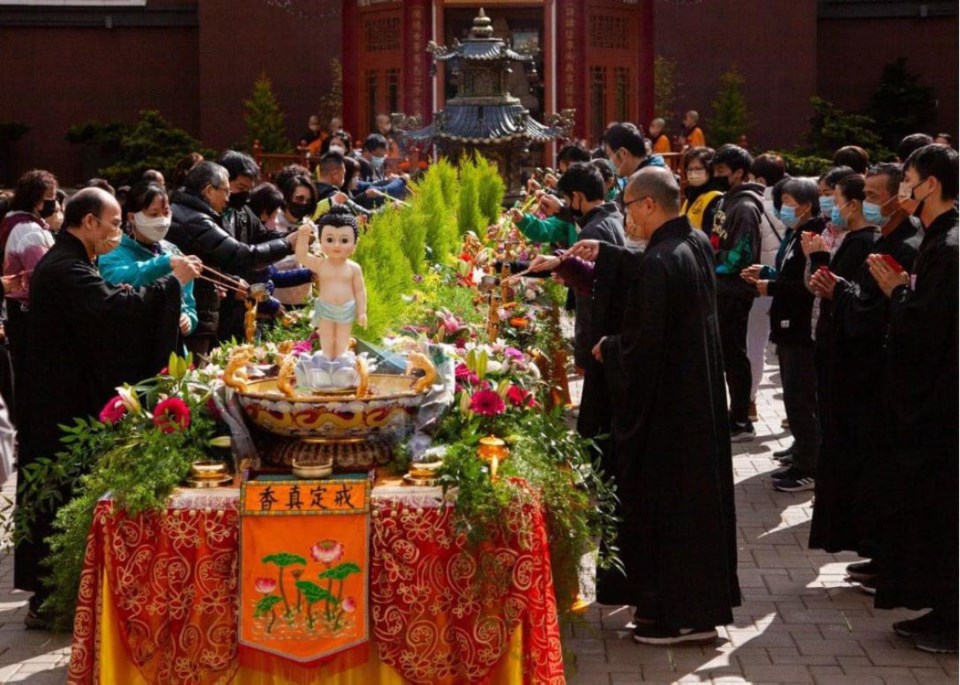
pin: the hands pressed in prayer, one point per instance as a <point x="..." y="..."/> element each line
<point x="886" y="277"/>
<point x="823" y="282"/>
<point x="587" y="250"/>
<point x="811" y="242"/>
<point x="184" y="324"/>
<point x="762" y="288"/>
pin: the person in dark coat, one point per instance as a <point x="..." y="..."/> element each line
<point x="917" y="549"/>
<point x="665" y="373"/>
<point x="197" y="229"/>
<point x="790" y="322"/>
<point x="838" y="364"/>
<point x="85" y="338"/>
<point x="845" y="509"/>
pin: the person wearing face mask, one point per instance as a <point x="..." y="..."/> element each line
<point x="917" y="552"/>
<point x="85" y="337"/>
<point x="374" y="180"/>
<point x="850" y="490"/>
<point x="702" y="192"/>
<point x="143" y="255"/>
<point x="736" y="238"/>
<point x="338" y="141"/>
<point x="25" y="237"/>
<point x="836" y="395"/>
<point x="197" y="229"/>
<point x="827" y="183"/>
<point x="626" y="149"/>
<point x="299" y="204"/>
<point x="790" y="325"/>
<point x="664" y="370"/>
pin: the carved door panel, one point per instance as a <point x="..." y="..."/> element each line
<point x="611" y="74"/>
<point x="379" y="65"/>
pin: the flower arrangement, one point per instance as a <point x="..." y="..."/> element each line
<point x="139" y="448"/>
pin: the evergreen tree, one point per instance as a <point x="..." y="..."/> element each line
<point x="730" y="117"/>
<point x="902" y="105"/>
<point x="491" y="189"/>
<point x="152" y="143"/>
<point x="265" y="119"/>
<point x="469" y="216"/>
<point x="832" y="128"/>
<point x="666" y="87"/>
<point x="331" y="104"/>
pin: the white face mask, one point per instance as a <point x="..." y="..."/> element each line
<point x="337" y="148"/>
<point x="153" y="228"/>
<point x="697" y="177"/>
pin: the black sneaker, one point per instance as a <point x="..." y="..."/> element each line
<point x="862" y="570"/>
<point x="35" y="621"/>
<point x="794" y="481"/>
<point x="654" y="634"/>
<point x="742" y="432"/>
<point x="787" y="460"/>
<point x="782" y="472"/>
<point x="867" y="586"/>
<point x="788" y="452"/>
<point x="928" y="623"/>
<point x="936" y="643"/>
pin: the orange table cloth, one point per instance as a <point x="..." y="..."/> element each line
<point x="158" y="600"/>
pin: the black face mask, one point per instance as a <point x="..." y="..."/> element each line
<point x="238" y="200"/>
<point x="49" y="209"/>
<point x="297" y="210"/>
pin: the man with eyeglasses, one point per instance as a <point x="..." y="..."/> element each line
<point x="197" y="229"/>
<point x="84" y="338"/>
<point x="664" y="370"/>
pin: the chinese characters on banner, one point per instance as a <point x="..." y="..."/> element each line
<point x="304" y="566"/>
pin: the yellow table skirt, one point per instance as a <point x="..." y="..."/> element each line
<point x="116" y="668"/>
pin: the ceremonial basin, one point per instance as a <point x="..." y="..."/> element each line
<point x="353" y="429"/>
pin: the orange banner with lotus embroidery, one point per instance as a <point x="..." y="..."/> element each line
<point x="304" y="566"/>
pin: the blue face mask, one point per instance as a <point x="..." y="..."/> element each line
<point x="837" y="219"/>
<point x="873" y="214"/>
<point x="788" y="215"/>
<point x="826" y="205"/>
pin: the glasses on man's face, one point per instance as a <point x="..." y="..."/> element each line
<point x="636" y="199"/>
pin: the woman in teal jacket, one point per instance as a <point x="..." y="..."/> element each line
<point x="143" y="255"/>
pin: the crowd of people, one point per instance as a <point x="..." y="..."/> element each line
<point x="851" y="277"/>
<point x="680" y="280"/>
<point x="100" y="288"/>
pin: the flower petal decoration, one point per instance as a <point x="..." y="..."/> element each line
<point x="171" y="414"/>
<point x="129" y="397"/>
<point x="519" y="397"/>
<point x="265" y="585"/>
<point x="113" y="411"/>
<point x="487" y="403"/>
<point x="349" y="605"/>
<point x="327" y="551"/>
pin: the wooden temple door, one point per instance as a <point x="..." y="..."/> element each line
<point x="611" y="67"/>
<point x="379" y="73"/>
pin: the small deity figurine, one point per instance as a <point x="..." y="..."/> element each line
<point x="342" y="299"/>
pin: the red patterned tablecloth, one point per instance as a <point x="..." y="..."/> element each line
<point x="441" y="610"/>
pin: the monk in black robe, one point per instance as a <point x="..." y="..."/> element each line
<point x="85" y="338"/>
<point x="847" y="503"/>
<point x="917" y="547"/>
<point x="674" y="467"/>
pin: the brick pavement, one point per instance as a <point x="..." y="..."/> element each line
<point x="799" y="623"/>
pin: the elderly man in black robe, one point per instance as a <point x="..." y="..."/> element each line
<point x="665" y="372"/>
<point x="85" y="337"/>
<point x="917" y="547"/>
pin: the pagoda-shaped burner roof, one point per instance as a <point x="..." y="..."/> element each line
<point x="483" y="112"/>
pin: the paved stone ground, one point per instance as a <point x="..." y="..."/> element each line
<point x="799" y="623"/>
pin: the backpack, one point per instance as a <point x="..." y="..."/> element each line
<point x="770" y="237"/>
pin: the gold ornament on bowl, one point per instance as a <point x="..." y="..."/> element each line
<point x="493" y="450"/>
<point x="208" y="469"/>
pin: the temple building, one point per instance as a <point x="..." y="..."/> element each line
<point x="68" y="62"/>
<point x="593" y="57"/>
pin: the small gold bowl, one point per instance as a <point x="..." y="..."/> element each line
<point x="425" y="469"/>
<point x="312" y="471"/>
<point x="208" y="469"/>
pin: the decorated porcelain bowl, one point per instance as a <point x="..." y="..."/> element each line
<point x="389" y="409"/>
